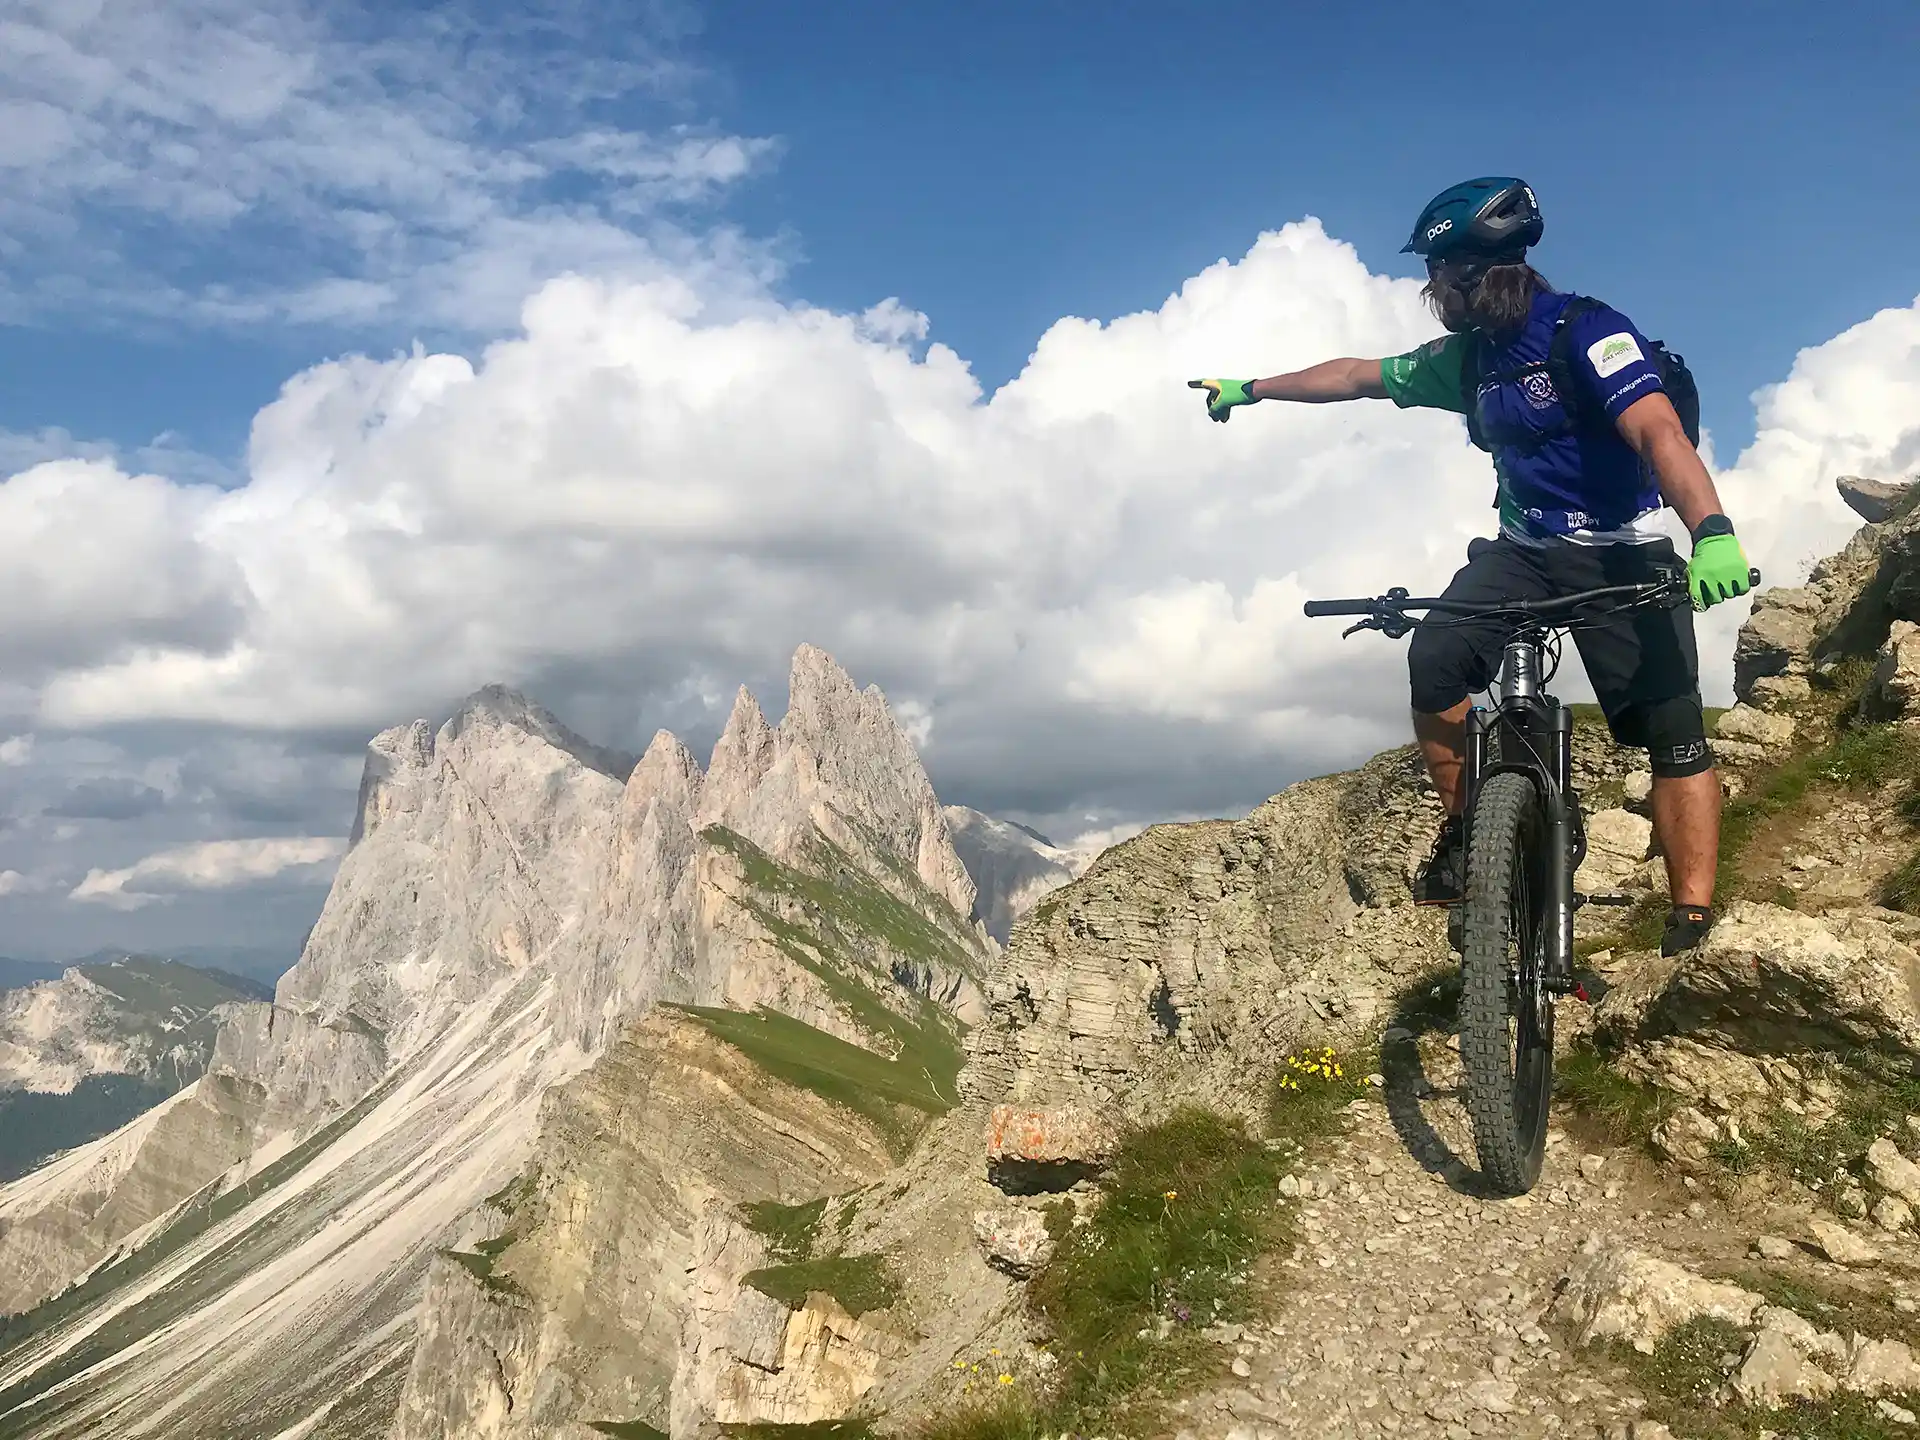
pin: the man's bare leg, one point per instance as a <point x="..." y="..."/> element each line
<point x="1443" y="744"/>
<point x="1686" y="818"/>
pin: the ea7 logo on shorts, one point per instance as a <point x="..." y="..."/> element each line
<point x="1440" y="229"/>
<point x="1614" y="354"/>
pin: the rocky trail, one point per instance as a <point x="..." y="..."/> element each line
<point x="1416" y="1305"/>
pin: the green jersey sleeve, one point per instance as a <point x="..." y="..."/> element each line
<point x="1428" y="378"/>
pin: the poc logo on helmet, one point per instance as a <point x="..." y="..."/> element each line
<point x="1440" y="229"/>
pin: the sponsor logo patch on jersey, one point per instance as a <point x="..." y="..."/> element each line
<point x="1538" y="388"/>
<point x="1614" y="354"/>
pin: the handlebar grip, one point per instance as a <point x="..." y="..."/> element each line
<point x="1315" y="608"/>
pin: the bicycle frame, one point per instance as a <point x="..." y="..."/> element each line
<point x="1542" y="735"/>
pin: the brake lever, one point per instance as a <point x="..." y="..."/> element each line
<point x="1372" y="622"/>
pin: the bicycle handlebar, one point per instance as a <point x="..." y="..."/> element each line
<point x="1317" y="608"/>
<point x="1396" y="603"/>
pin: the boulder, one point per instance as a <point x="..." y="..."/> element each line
<point x="1035" y="1149"/>
<point x="1777" y="693"/>
<point x="1687" y="1138"/>
<point x="1893" y="692"/>
<point x="1892" y="1214"/>
<point x="1757" y="727"/>
<point x="1893" y="1172"/>
<point x="1841" y="1245"/>
<point x="1881" y="1367"/>
<point x="1614" y="1292"/>
<point x="1773" y="982"/>
<point x="1013" y="1239"/>
<point x="1740" y="752"/>
<point x="1638" y="790"/>
<point x="1774" y="1371"/>
<point x="1617" y="842"/>
<point x="1874" y="501"/>
<point x="1777" y="638"/>
<point x="1825" y="1346"/>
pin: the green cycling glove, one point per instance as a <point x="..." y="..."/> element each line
<point x="1223" y="395"/>
<point x="1718" y="569"/>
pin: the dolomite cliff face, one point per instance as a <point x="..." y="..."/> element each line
<point x="514" y="898"/>
<point x="630" y="1244"/>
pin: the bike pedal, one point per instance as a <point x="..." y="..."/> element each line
<point x="1612" y="898"/>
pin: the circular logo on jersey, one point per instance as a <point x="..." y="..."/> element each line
<point x="1538" y="388"/>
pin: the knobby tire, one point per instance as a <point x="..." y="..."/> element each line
<point x="1505" y="1050"/>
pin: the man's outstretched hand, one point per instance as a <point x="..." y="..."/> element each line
<point x="1223" y="395"/>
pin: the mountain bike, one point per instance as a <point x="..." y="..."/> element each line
<point x="1525" y="839"/>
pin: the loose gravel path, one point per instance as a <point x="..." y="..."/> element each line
<point x="1415" y="1306"/>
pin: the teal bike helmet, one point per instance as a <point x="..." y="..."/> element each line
<point x="1495" y="216"/>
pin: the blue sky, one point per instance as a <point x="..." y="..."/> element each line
<point x="1740" y="178"/>
<point x="558" y="333"/>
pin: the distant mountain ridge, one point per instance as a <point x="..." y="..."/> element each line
<point x="112" y="1035"/>
<point x="1014" y="865"/>
<point x="15" y="973"/>
<point x="252" y="966"/>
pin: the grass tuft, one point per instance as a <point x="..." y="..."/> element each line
<point x="627" y="1429"/>
<point x="859" y="1282"/>
<point x="1851" y="1305"/>
<point x="1625" y="1111"/>
<point x="1685" y="1378"/>
<point x="1876" y="1096"/>
<point x="789" y="1230"/>
<point x="480" y="1266"/>
<point x="897" y="1095"/>
<point x="1186" y="1208"/>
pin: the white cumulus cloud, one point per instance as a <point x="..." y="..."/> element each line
<point x="211" y="865"/>
<point x="1084" y="596"/>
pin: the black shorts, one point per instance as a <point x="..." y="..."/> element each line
<point x="1645" y="671"/>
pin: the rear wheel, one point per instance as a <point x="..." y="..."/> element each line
<point x="1506" y="1015"/>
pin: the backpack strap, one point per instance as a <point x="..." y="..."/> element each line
<point x="1471" y="371"/>
<point x="1567" y="383"/>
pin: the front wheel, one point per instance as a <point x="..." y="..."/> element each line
<point x="1506" y="1014"/>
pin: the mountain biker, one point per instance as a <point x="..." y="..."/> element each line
<point x="1580" y="492"/>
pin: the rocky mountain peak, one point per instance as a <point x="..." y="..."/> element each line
<point x="741" y="758"/>
<point x="498" y="705"/>
<point x="667" y="770"/>
<point x="397" y="758"/>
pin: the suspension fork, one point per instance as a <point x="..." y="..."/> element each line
<point x="1478" y="728"/>
<point x="1563" y="846"/>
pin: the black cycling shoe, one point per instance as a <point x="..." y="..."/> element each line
<point x="1443" y="879"/>
<point x="1687" y="926"/>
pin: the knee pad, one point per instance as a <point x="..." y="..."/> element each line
<point x="1675" y="734"/>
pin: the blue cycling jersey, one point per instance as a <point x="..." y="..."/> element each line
<point x="1584" y="484"/>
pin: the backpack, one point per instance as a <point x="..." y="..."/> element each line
<point x="1675" y="378"/>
